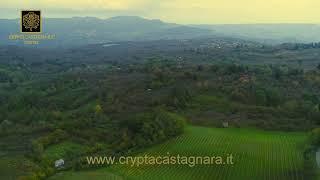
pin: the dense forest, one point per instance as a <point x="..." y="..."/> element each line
<point x="114" y="106"/>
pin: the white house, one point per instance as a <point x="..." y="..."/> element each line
<point x="59" y="163"/>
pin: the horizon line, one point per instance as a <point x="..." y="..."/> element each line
<point x="153" y="19"/>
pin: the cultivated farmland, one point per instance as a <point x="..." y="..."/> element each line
<point x="257" y="155"/>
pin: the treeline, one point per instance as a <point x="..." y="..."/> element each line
<point x="312" y="146"/>
<point x="296" y="46"/>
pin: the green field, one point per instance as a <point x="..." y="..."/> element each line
<point x="257" y="155"/>
<point x="60" y="150"/>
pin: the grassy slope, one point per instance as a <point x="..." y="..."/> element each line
<point x="60" y="150"/>
<point x="12" y="167"/>
<point x="257" y="155"/>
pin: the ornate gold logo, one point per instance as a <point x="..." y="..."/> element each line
<point x="31" y="21"/>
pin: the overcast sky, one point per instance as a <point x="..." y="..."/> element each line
<point x="178" y="11"/>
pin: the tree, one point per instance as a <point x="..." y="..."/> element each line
<point x="315" y="137"/>
<point x="98" y="109"/>
<point x="239" y="95"/>
<point x="318" y="66"/>
<point x="273" y="97"/>
<point x="200" y="68"/>
<point x="261" y="98"/>
<point x="179" y="97"/>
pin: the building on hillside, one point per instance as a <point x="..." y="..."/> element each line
<point x="59" y="163"/>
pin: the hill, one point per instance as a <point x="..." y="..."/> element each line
<point x="79" y="31"/>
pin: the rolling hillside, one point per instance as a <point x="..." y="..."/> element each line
<point x="257" y="155"/>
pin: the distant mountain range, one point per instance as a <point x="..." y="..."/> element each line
<point x="90" y="30"/>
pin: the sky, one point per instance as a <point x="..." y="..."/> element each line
<point x="177" y="11"/>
